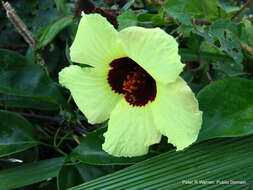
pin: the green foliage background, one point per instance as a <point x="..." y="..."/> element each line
<point x="46" y="142"/>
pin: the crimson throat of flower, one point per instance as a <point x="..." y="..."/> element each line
<point x="128" y="78"/>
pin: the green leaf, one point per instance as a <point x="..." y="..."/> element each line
<point x="61" y="6"/>
<point x="145" y="17"/>
<point x="72" y="175"/>
<point x="227" y="6"/>
<point x="227" y="107"/>
<point x="183" y="9"/>
<point x="127" y="19"/>
<point x="249" y="31"/>
<point x="189" y="55"/>
<point x="158" y="19"/>
<point x="19" y="76"/>
<point x="226" y="32"/>
<point x="67" y="54"/>
<point x="69" y="176"/>
<point x="53" y="29"/>
<point x="204" y="9"/>
<point x="220" y="159"/>
<point x="30" y="173"/>
<point x="128" y="5"/>
<point x="45" y="15"/>
<point x="174" y="7"/>
<point x="45" y="186"/>
<point x="26" y="102"/>
<point x="223" y="36"/>
<point x="16" y="133"/>
<point x="226" y="69"/>
<point x="176" y="10"/>
<point x="90" y="151"/>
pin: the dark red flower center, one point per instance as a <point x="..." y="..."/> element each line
<point x="128" y="78"/>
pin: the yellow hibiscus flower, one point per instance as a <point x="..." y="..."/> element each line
<point x="134" y="82"/>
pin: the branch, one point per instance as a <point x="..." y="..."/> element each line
<point x="242" y="8"/>
<point x="57" y="120"/>
<point x="19" y="24"/>
<point x="202" y="22"/>
<point x="41" y="117"/>
<point x="24" y="32"/>
<point x="208" y="75"/>
<point x="246" y="47"/>
<point x="88" y="7"/>
<point x="196" y="21"/>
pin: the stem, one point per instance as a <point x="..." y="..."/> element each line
<point x="13" y="46"/>
<point x="208" y="75"/>
<point x="88" y="7"/>
<point x="157" y="2"/>
<point x="242" y="8"/>
<point x="24" y="32"/>
<point x="219" y="12"/>
<point x="144" y="22"/>
<point x="72" y="163"/>
<point x="203" y="8"/>
<point x="61" y="152"/>
<point x="81" y="131"/>
<point x="56" y="148"/>
<point x="41" y="117"/>
<point x="55" y="136"/>
<point x="63" y="138"/>
<point x="196" y="21"/>
<point x="202" y="22"/>
<point x="246" y="47"/>
<point x="19" y="24"/>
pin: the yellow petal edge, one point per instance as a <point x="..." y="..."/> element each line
<point x="154" y="50"/>
<point x="130" y="131"/>
<point x="97" y="43"/>
<point x="176" y="113"/>
<point x="89" y="88"/>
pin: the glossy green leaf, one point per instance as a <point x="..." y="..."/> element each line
<point x="15" y="159"/>
<point x="30" y="173"/>
<point x="227" y="107"/>
<point x="16" y="133"/>
<point x="21" y="77"/>
<point x="26" y="102"/>
<point x="213" y="161"/>
<point x="72" y="175"/>
<point x="53" y="29"/>
<point x="127" y="19"/>
<point x="47" y="185"/>
<point x="90" y="151"/>
<point x="69" y="176"/>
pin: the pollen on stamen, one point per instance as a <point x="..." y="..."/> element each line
<point x="128" y="78"/>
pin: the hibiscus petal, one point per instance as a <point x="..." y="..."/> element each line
<point x="176" y="113"/>
<point x="154" y="50"/>
<point x="96" y="43"/>
<point x="90" y="91"/>
<point x="130" y="131"/>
